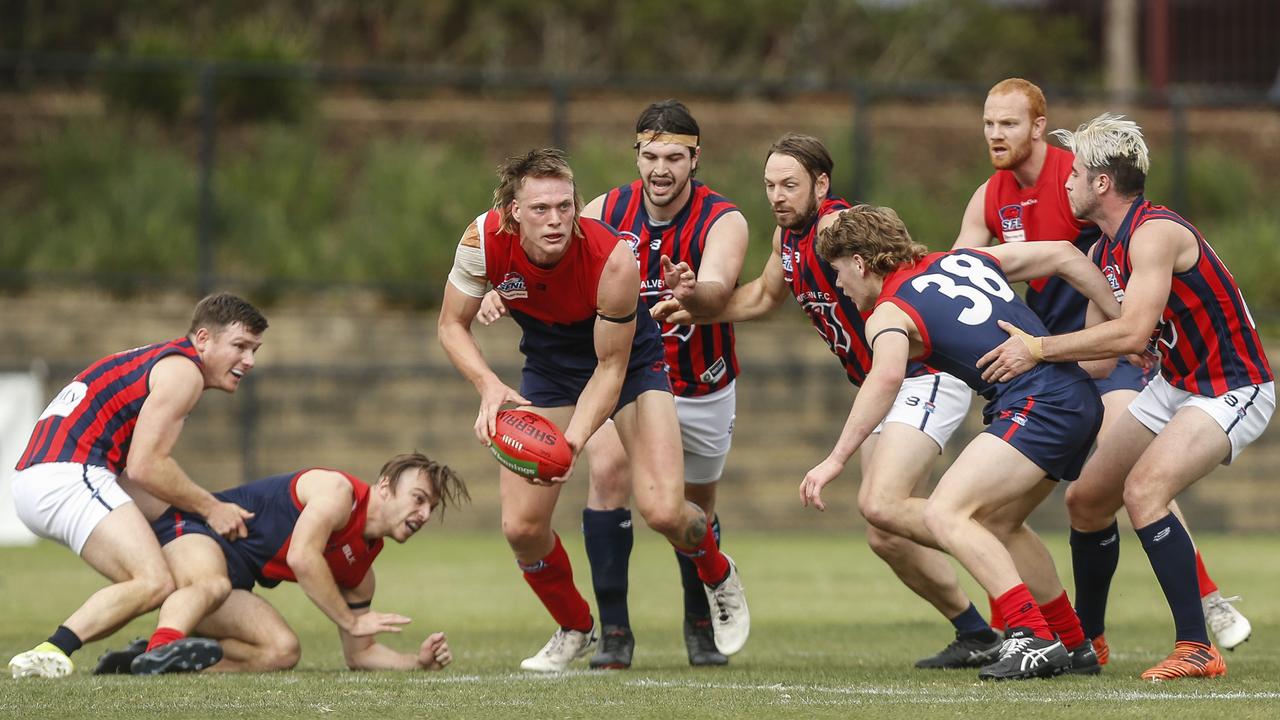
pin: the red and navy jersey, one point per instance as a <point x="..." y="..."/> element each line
<point x="955" y="300"/>
<point x="274" y="502"/>
<point x="1206" y="338"/>
<point x="91" y="421"/>
<point x="834" y="315"/>
<point x="1042" y="212"/>
<point x="556" y="306"/>
<point x="700" y="357"/>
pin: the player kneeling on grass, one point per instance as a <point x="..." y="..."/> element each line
<point x="320" y="528"/>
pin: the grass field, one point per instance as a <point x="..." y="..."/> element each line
<point x="833" y="635"/>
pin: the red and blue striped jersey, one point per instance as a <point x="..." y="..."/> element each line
<point x="1206" y="338"/>
<point x="556" y="306"/>
<point x="91" y="421"/>
<point x="700" y="358"/>
<point x="834" y="315"/>
<point x="1042" y="212"/>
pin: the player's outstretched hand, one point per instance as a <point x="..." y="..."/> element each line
<point x="491" y="308"/>
<point x="817" y="478"/>
<point x="492" y="398"/>
<point x="576" y="447"/>
<point x="228" y="520"/>
<point x="1011" y="358"/>
<point x="434" y="653"/>
<point x="372" y="623"/>
<point x="679" y="278"/>
<point x="671" y="311"/>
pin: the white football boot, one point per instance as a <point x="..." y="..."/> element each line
<point x="43" y="660"/>
<point x="730" y="619"/>
<point x="1228" y="625"/>
<point x="564" y="647"/>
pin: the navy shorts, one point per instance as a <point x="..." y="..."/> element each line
<point x="175" y="523"/>
<point x="1054" y="428"/>
<point x="1125" y="376"/>
<point x="557" y="389"/>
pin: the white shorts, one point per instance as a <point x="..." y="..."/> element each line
<point x="65" y="501"/>
<point x="934" y="404"/>
<point x="1242" y="413"/>
<point x="706" y="432"/>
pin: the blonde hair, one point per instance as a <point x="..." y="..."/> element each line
<point x="543" y="163"/>
<point x="1113" y="145"/>
<point x="876" y="234"/>
<point x="1025" y="88"/>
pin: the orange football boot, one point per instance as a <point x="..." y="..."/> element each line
<point x="1188" y="659"/>
<point x="1101" y="649"/>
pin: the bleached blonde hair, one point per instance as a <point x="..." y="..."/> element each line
<point x="1111" y="144"/>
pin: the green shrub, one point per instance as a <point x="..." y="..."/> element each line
<point x="251" y="93"/>
<point x="159" y="92"/>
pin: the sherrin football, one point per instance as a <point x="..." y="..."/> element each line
<point x="530" y="445"/>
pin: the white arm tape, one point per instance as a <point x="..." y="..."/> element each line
<point x="468" y="273"/>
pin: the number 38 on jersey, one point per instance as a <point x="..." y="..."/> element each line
<point x="978" y="284"/>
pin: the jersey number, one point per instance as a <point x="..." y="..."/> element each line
<point x="985" y="282"/>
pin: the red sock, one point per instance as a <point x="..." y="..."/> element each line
<point x="1062" y="619"/>
<point x="1021" y="611"/>
<point x="997" y="617"/>
<point x="1207" y="585"/>
<point x="712" y="565"/>
<point x="164" y="636"/>
<point x="552" y="581"/>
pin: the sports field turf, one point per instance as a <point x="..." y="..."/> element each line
<point x="833" y="635"/>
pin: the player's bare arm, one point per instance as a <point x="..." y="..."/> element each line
<point x="617" y="301"/>
<point x="748" y="302"/>
<point x="175" y="387"/>
<point x="1156" y="253"/>
<point x="467" y="283"/>
<point x="1022" y="262"/>
<point x="892" y="335"/>
<point x="327" y="497"/>
<point x="973" y="226"/>
<point x="722" y="258"/>
<point x="366" y="653"/>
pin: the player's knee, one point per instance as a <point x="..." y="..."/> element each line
<point x="940" y="520"/>
<point x="1144" y="497"/>
<point x="1085" y="506"/>
<point x="667" y="519"/>
<point x="523" y="534"/>
<point x="155" y="587"/>
<point x="879" y="511"/>
<point x="282" y="653"/>
<point x="885" y="545"/>
<point x="216" y="588"/>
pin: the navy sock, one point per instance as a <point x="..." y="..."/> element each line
<point x="971" y="624"/>
<point x="1173" y="557"/>
<point x="1094" y="557"/>
<point x="695" y="597"/>
<point x="65" y="640"/>
<point x="608" y="537"/>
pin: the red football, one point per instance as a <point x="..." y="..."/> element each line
<point x="530" y="445"/>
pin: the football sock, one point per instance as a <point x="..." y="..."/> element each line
<point x="608" y="537"/>
<point x="713" y="566"/>
<point x="65" y="640"/>
<point x="970" y="624"/>
<point x="1173" y="557"/>
<point x="1021" y="611"/>
<point x="695" y="598"/>
<point x="1094" y="557"/>
<point x="997" y="620"/>
<point x="164" y="636"/>
<point x="552" y="581"/>
<point x="1062" y="620"/>
<point x="1207" y="585"/>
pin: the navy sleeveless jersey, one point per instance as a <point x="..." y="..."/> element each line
<point x="1042" y="212"/>
<point x="1206" y="338"/>
<point x="955" y="300"/>
<point x="274" y="502"/>
<point x="834" y="315"/>
<point x="91" y="421"/>
<point x="700" y="357"/>
<point x="556" y="306"/>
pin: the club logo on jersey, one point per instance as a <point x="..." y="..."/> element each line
<point x="633" y="240"/>
<point x="788" y="264"/>
<point x="681" y="333"/>
<point x="829" y="326"/>
<point x="1112" y="274"/>
<point x="714" y="373"/>
<point x="512" y="287"/>
<point x="1011" y="229"/>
